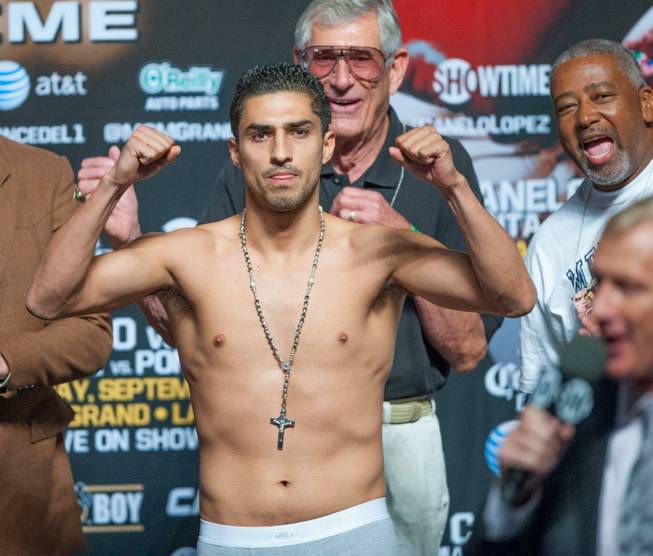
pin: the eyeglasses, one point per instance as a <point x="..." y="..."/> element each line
<point x="363" y="62"/>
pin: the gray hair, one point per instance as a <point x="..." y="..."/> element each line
<point x="630" y="218"/>
<point x="624" y="58"/>
<point x="337" y="12"/>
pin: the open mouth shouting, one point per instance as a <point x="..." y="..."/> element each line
<point x="598" y="148"/>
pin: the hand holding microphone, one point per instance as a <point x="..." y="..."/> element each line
<point x="531" y="452"/>
<point x="547" y="424"/>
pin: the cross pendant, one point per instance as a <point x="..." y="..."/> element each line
<point x="282" y="423"/>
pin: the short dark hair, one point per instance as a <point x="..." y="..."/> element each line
<point x="281" y="77"/>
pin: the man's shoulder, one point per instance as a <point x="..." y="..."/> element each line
<point x="42" y="179"/>
<point x="184" y="240"/>
<point x="219" y="234"/>
<point x="18" y="154"/>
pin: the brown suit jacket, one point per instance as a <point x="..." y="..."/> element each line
<point x="39" y="514"/>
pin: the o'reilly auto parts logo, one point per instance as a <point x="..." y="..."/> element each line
<point x="176" y="89"/>
<point x="456" y="80"/>
<point x="14" y="85"/>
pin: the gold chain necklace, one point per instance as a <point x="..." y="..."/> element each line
<point x="282" y="421"/>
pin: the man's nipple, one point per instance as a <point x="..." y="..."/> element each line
<point x="342" y="338"/>
<point x="219" y="340"/>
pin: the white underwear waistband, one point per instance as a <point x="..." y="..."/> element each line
<point x="294" y="533"/>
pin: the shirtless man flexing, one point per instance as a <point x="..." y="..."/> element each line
<point x="306" y="476"/>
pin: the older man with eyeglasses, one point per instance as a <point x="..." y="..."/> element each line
<point x="354" y="48"/>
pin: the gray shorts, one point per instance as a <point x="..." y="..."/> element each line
<point x="364" y="530"/>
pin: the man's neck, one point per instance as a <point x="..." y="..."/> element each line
<point x="355" y="156"/>
<point x="282" y="234"/>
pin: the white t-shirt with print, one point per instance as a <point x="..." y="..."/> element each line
<point x="559" y="262"/>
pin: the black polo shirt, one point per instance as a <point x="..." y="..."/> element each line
<point x="417" y="369"/>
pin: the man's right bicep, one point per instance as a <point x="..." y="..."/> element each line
<point x="120" y="278"/>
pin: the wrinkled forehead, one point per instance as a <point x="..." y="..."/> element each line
<point x="360" y="31"/>
<point x="582" y="72"/>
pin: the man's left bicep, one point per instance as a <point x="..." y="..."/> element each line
<point x="440" y="275"/>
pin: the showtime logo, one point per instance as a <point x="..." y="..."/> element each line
<point x="14" y="85"/>
<point x="106" y="21"/>
<point x="455" y="80"/>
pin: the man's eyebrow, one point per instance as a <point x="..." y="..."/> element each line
<point x="587" y="88"/>
<point x="258" y="127"/>
<point x="565" y="94"/>
<point x="596" y="85"/>
<point x="299" y="123"/>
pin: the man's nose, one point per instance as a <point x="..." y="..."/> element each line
<point x="281" y="150"/>
<point x="340" y="77"/>
<point x="587" y="114"/>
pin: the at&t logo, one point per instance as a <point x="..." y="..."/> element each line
<point x="14" y="85"/>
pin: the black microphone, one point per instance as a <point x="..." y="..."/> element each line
<point x="566" y="393"/>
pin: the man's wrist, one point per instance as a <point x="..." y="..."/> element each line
<point x="455" y="186"/>
<point x="459" y="196"/>
<point x="112" y="186"/>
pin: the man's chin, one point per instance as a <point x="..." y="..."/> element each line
<point x="346" y="127"/>
<point x="609" y="174"/>
<point x="284" y="203"/>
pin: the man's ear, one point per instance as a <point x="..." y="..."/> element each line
<point x="646" y="99"/>
<point x="328" y="145"/>
<point x="398" y="69"/>
<point x="296" y="56"/>
<point x="234" y="152"/>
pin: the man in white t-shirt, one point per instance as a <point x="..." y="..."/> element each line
<point x="604" y="111"/>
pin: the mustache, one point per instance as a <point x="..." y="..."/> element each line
<point x="285" y="168"/>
